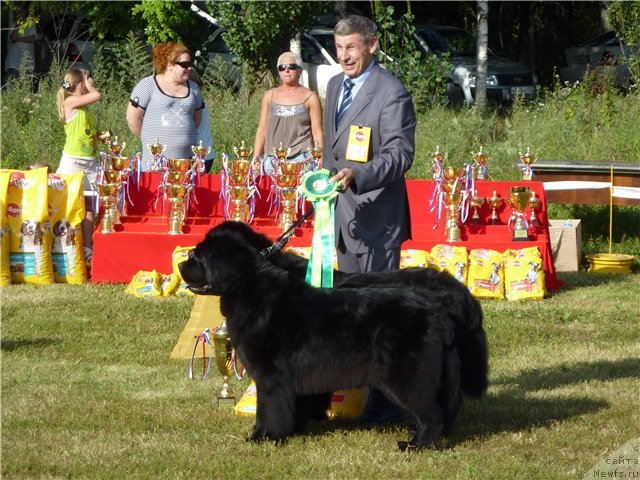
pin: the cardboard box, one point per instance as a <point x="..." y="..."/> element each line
<point x="566" y="244"/>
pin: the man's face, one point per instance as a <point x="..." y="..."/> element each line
<point x="355" y="55"/>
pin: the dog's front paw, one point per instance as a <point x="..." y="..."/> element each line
<point x="257" y="435"/>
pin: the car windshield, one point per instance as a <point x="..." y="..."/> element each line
<point x="454" y="41"/>
<point x="327" y="42"/>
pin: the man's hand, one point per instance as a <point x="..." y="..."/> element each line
<point x="344" y="177"/>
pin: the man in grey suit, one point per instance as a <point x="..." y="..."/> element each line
<point x="372" y="213"/>
<point x="370" y="141"/>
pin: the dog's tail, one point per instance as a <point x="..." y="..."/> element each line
<point x="473" y="351"/>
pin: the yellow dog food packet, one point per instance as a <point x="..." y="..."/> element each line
<point x="29" y="226"/>
<point x="452" y="259"/>
<point x="524" y="275"/>
<point x="5" y="246"/>
<point x="178" y="287"/>
<point x="485" y="279"/>
<point x="413" y="258"/>
<point x="66" y="203"/>
<point x="145" y="284"/>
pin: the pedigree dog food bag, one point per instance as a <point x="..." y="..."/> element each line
<point x="523" y="274"/>
<point x="30" y="228"/>
<point x="145" y="284"/>
<point x="178" y="286"/>
<point x="451" y="259"/>
<point x="5" y="273"/>
<point x="485" y="279"/>
<point x="66" y="205"/>
<point x="413" y="258"/>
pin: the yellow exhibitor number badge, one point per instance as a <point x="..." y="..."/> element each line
<point x="358" y="146"/>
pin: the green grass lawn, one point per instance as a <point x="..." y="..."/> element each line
<point x="89" y="391"/>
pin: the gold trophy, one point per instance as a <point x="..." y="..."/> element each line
<point x="115" y="147"/>
<point x="518" y="200"/>
<point x="437" y="159"/>
<point x="156" y="149"/>
<point x="108" y="196"/>
<point x="453" y="184"/>
<point x="527" y="160"/>
<point x="286" y="176"/>
<point x="494" y="202"/>
<point x="117" y="170"/>
<point x="534" y="203"/>
<point x="480" y="159"/>
<point x="177" y="186"/>
<point x="316" y="154"/>
<point x="239" y="177"/>
<point x="222" y="351"/>
<point x="200" y="151"/>
<point x="476" y="202"/>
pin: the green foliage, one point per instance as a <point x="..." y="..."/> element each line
<point x="625" y="19"/>
<point x="424" y="77"/>
<point x="163" y="19"/>
<point x="258" y="32"/>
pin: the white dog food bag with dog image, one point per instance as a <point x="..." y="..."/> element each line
<point x="66" y="202"/>
<point x="523" y="274"/>
<point x="29" y="226"/>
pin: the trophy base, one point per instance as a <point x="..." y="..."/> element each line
<point x="526" y="176"/>
<point x="453" y="234"/>
<point x="226" y="402"/>
<point x="520" y="236"/>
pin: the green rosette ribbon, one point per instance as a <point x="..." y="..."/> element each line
<point x="317" y="188"/>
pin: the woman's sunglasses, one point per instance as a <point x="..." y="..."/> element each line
<point x="184" y="65"/>
<point x="290" y="66"/>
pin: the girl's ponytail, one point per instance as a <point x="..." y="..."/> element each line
<point x="72" y="78"/>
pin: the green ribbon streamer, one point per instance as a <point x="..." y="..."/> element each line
<point x="316" y="187"/>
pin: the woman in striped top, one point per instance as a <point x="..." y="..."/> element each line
<point x="166" y="106"/>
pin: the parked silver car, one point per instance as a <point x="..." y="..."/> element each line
<point x="506" y="79"/>
<point x="604" y="50"/>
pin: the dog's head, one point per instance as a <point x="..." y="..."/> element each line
<point x="63" y="229"/>
<point x="496" y="267"/>
<point x="31" y="228"/>
<point x="534" y="265"/>
<point x="222" y="259"/>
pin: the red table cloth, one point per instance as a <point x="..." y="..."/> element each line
<point x="142" y="242"/>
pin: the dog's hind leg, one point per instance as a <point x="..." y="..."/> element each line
<point x="275" y="410"/>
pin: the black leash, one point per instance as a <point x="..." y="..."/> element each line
<point x="284" y="238"/>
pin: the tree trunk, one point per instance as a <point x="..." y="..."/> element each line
<point x="481" y="60"/>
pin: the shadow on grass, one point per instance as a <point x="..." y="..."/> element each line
<point x="12" y="345"/>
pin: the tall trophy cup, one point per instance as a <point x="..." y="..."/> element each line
<point x="453" y="184"/>
<point x="480" y="159"/>
<point x="157" y="150"/>
<point x="494" y="203"/>
<point x="222" y="351"/>
<point x="518" y="200"/>
<point x="108" y="195"/>
<point x="240" y="183"/>
<point x="527" y="160"/>
<point x="476" y="202"/>
<point x="534" y="203"/>
<point x="316" y="155"/>
<point x="177" y="187"/>
<point x="286" y="176"/>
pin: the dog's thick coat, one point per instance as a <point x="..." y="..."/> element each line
<point x="297" y="341"/>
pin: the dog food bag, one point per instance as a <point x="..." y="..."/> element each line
<point x="179" y="255"/>
<point x="523" y="274"/>
<point x="145" y="284"/>
<point x="347" y="403"/>
<point x="485" y="279"/>
<point x="29" y="227"/>
<point x="413" y="258"/>
<point x="5" y="272"/>
<point x="66" y="205"/>
<point x="248" y="404"/>
<point x="169" y="284"/>
<point x="448" y="258"/>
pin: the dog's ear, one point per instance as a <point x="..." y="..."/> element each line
<point x="23" y="227"/>
<point x="225" y="261"/>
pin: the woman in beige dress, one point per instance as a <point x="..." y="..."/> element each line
<point x="290" y="113"/>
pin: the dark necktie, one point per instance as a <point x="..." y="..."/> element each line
<point x="346" y="99"/>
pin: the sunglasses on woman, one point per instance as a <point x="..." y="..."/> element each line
<point x="290" y="66"/>
<point x="184" y="65"/>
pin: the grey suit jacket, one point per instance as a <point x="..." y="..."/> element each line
<point x="373" y="214"/>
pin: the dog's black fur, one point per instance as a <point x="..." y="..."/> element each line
<point x="298" y="341"/>
<point x="436" y="287"/>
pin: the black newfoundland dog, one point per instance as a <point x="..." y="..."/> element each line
<point x="415" y="334"/>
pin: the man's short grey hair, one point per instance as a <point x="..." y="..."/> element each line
<point x="295" y="56"/>
<point x="351" y="24"/>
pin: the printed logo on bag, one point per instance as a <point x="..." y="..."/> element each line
<point x="18" y="181"/>
<point x="55" y="182"/>
<point x="13" y="210"/>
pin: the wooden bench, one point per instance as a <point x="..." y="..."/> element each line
<point x="624" y="175"/>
